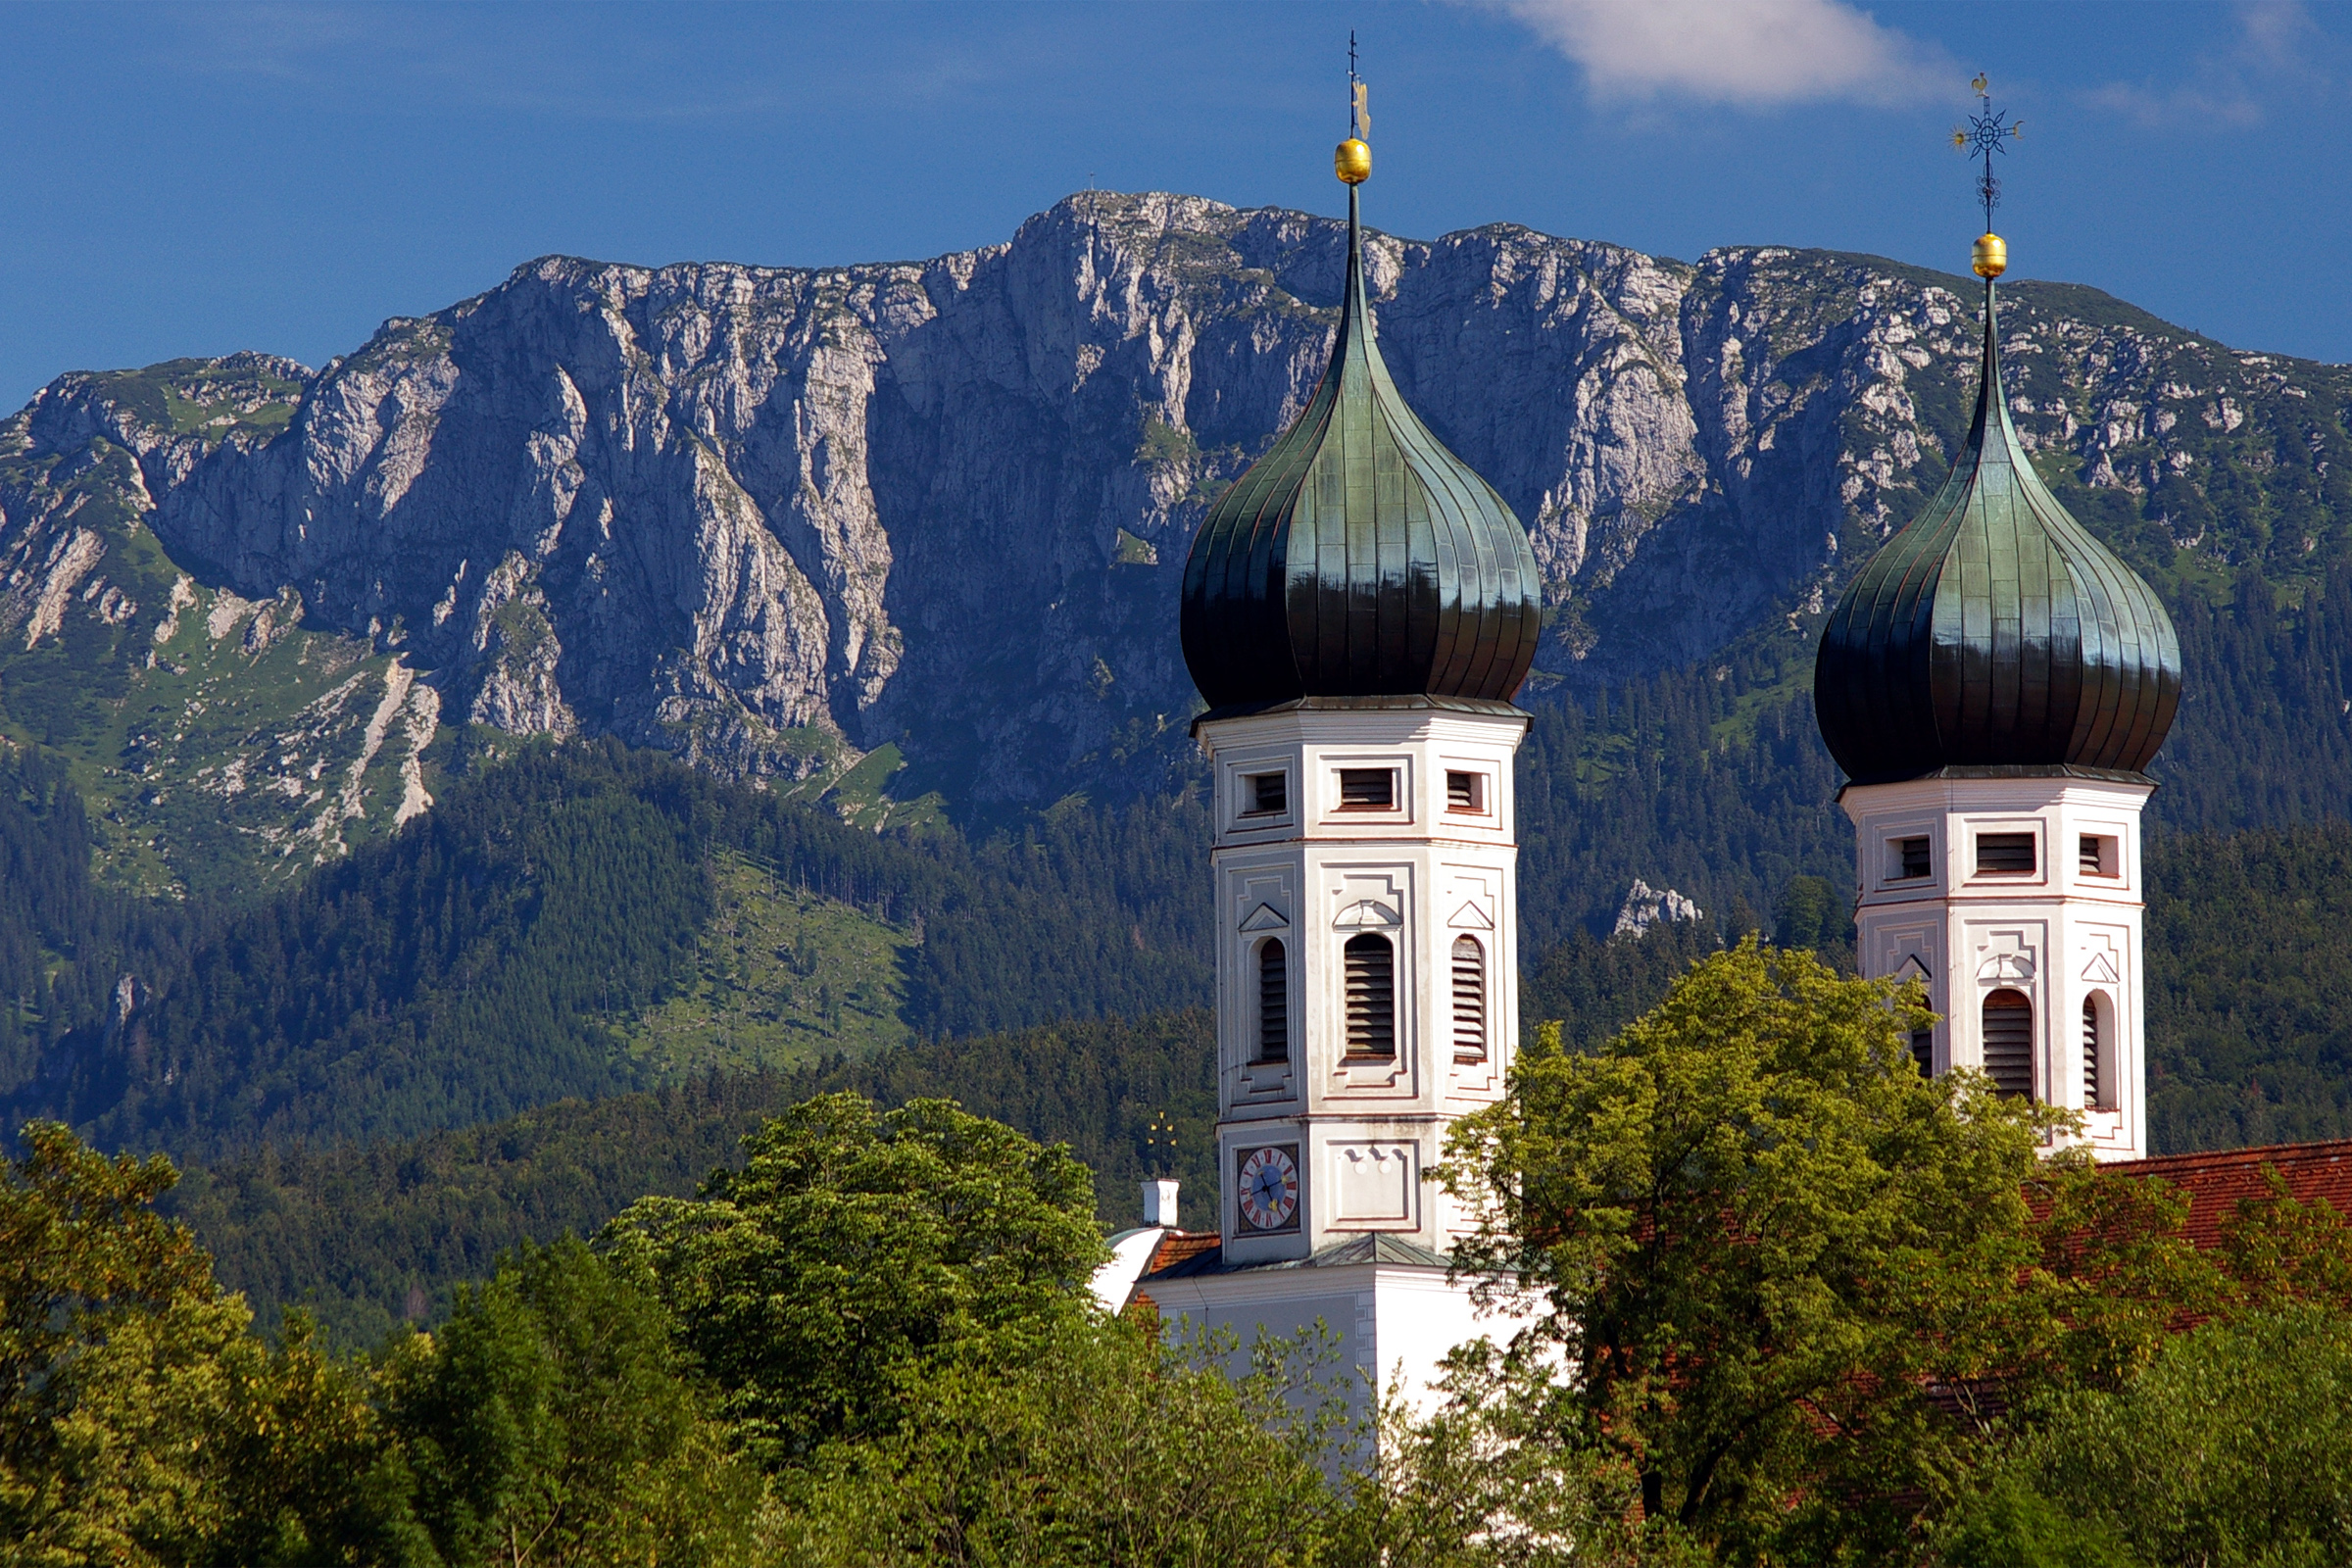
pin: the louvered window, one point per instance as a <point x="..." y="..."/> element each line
<point x="1464" y="793"/>
<point x="1911" y="858"/>
<point x="2090" y="1056"/>
<point x="2009" y="1042"/>
<point x="1273" y="1002"/>
<point x="1469" y="1000"/>
<point x="1269" y="795"/>
<point x="1371" y="975"/>
<point x="1923" y="1051"/>
<point x="1367" y="789"/>
<point x="2005" y="852"/>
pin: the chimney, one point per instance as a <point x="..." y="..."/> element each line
<point x="1159" y="1204"/>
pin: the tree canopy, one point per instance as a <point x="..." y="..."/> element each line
<point x="858" y="1248"/>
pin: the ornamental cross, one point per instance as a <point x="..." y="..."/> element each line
<point x="1986" y="134"/>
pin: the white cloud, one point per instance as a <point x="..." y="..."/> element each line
<point x="1749" y="53"/>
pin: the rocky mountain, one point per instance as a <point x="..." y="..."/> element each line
<point x="778" y="520"/>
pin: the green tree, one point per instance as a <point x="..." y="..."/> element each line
<point x="140" y="1422"/>
<point x="858" y="1251"/>
<point x="552" y="1421"/>
<point x="1107" y="1448"/>
<point x="1497" y="1476"/>
<point x="1760" y="1234"/>
<point x="2233" y="1447"/>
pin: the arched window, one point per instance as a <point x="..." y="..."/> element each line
<point x="1371" y="976"/>
<point x="1469" y="1000"/>
<point x="1273" y="1002"/>
<point x="2098" y="1086"/>
<point x="1923" y="1051"/>
<point x="2009" y="1042"/>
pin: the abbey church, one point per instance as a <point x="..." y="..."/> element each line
<point x="1358" y="612"/>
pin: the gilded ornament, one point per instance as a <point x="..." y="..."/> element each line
<point x="1353" y="162"/>
<point x="1990" y="256"/>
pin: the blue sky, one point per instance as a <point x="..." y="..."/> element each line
<point x="194" y="180"/>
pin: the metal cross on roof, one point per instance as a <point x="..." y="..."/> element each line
<point x="1986" y="134"/>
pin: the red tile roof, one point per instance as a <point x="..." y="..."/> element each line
<point x="2219" y="1180"/>
<point x="1180" y="1246"/>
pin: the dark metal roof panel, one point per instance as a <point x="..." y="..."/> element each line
<point x="1358" y="556"/>
<point x="1993" y="629"/>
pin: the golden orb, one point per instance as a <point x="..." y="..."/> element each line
<point x="1353" y="162"/>
<point x="1990" y="256"/>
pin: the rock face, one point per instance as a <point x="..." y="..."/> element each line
<point x="770" y="519"/>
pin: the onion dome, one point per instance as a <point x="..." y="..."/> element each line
<point x="1994" y="630"/>
<point x="1358" y="558"/>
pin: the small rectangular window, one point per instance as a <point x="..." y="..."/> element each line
<point x="1367" y="789"/>
<point x="1465" y="792"/>
<point x="2098" y="855"/>
<point x="1269" y="795"/>
<point x="2005" y="852"/>
<point x="1911" y="859"/>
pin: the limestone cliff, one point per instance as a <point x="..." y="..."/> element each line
<point x="768" y="518"/>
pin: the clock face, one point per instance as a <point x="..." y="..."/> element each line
<point x="1269" y="1188"/>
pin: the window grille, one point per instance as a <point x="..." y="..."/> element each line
<point x="2005" y="852"/>
<point x="1269" y="794"/>
<point x="2009" y="1043"/>
<point x="1463" y="792"/>
<point x="1469" y="1000"/>
<point x="2091" y="1054"/>
<point x="1913" y="855"/>
<point x="1273" y="1002"/>
<point x="1370" y="964"/>
<point x="1367" y="789"/>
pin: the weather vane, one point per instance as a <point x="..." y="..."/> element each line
<point x="1986" y="134"/>
<point x="1359" y="96"/>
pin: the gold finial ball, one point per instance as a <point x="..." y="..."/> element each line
<point x="1353" y="162"/>
<point x="1990" y="256"/>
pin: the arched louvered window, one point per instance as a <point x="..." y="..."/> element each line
<point x="2009" y="1042"/>
<point x="1370" y="963"/>
<point x="1273" y="1002"/>
<point x="2097" y="1093"/>
<point x="1469" y="1000"/>
<point x="1923" y="1051"/>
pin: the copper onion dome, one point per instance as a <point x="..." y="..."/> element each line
<point x="1358" y="556"/>
<point x="1994" y="630"/>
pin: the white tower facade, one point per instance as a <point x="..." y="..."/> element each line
<point x="2017" y="900"/>
<point x="1366" y="954"/>
<point x="1367" y="963"/>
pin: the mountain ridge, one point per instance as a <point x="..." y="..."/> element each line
<point x="772" y="520"/>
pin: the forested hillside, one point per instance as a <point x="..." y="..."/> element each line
<point x="508" y="950"/>
<point x="365" y="1236"/>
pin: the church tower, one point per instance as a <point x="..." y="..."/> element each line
<point x="1358" y="610"/>
<point x="1994" y="683"/>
